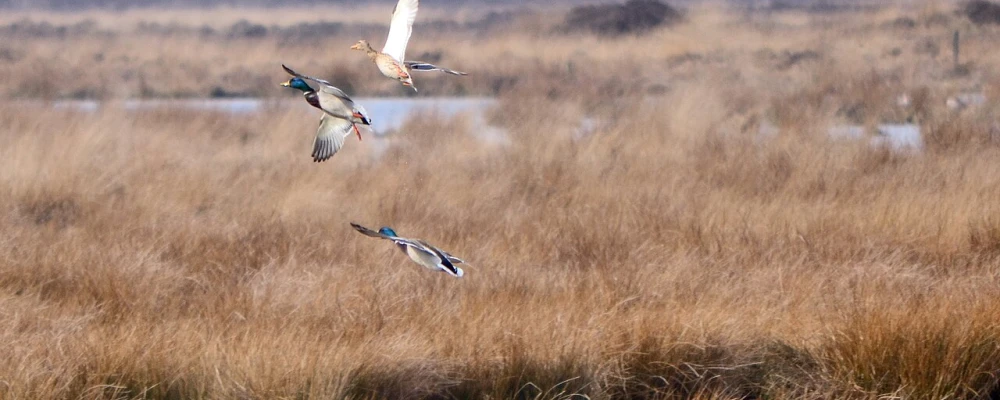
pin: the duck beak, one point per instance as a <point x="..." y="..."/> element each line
<point x="356" y="47"/>
<point x="286" y="84"/>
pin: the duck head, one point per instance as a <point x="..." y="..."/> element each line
<point x="385" y="230"/>
<point x="298" y="83"/>
<point x="362" y="45"/>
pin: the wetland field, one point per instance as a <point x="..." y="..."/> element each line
<point x="659" y="213"/>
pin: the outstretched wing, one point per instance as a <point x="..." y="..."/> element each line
<point x="369" y="232"/>
<point x="453" y="259"/>
<point x="326" y="85"/>
<point x="422" y="66"/>
<point x="400" y="27"/>
<point x="293" y="73"/>
<point x="330" y="136"/>
<point x="336" y="92"/>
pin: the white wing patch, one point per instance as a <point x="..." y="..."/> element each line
<point x="400" y="28"/>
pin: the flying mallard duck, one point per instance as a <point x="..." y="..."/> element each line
<point x="419" y="251"/>
<point x="390" y="60"/>
<point x="340" y="114"/>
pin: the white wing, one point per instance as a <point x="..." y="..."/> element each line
<point x="400" y="27"/>
<point x="330" y="136"/>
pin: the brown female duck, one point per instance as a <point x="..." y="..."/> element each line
<point x="391" y="60"/>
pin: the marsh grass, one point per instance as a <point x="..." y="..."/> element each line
<point x="201" y="53"/>
<point x="672" y="251"/>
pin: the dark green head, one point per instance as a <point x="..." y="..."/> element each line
<point x="385" y="230"/>
<point x="297" y="83"/>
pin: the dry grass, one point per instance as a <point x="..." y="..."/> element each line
<point x="197" y="54"/>
<point x="674" y="253"/>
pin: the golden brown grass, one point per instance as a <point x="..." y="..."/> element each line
<point x="197" y="53"/>
<point x="674" y="253"/>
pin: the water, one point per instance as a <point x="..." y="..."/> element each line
<point x="390" y="113"/>
<point x="387" y="114"/>
<point x="896" y="136"/>
<point x="900" y="136"/>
